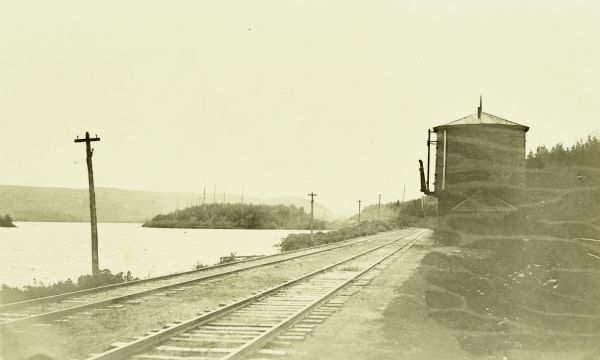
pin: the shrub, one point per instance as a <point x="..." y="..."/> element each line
<point x="39" y="289"/>
<point x="300" y="241"/>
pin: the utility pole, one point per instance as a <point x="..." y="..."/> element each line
<point x="204" y="196"/>
<point x="312" y="202"/>
<point x="223" y="197"/>
<point x="242" y="200"/>
<point x="403" y="192"/>
<point x="89" y="152"/>
<point x="215" y="194"/>
<point x="379" y="208"/>
<point x="359" y="201"/>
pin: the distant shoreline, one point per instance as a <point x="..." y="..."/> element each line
<point x="48" y="204"/>
<point x="76" y="222"/>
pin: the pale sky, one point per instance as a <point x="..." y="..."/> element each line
<point x="281" y="97"/>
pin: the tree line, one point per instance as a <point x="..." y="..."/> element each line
<point x="583" y="153"/>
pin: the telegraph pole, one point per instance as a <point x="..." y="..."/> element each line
<point x="312" y="202"/>
<point x="359" y="201"/>
<point x="204" y="196"/>
<point x="89" y="152"/>
<point x="379" y="208"/>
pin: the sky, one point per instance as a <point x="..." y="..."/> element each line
<point x="281" y="98"/>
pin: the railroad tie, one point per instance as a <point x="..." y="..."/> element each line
<point x="168" y="348"/>
<point x="211" y="340"/>
<point x="301" y="330"/>
<point x="167" y="357"/>
<point x="217" y="336"/>
<point x="272" y="352"/>
<point x="295" y="333"/>
<point x="279" y="343"/>
<point x="290" y="337"/>
<point x="305" y="326"/>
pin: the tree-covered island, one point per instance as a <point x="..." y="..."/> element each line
<point x="6" y="221"/>
<point x="237" y="216"/>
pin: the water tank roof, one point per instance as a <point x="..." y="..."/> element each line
<point x="484" y="119"/>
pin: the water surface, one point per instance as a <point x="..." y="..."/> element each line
<point x="50" y="252"/>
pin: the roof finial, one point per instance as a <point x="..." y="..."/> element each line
<point x="480" y="108"/>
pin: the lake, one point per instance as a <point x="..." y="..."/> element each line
<point x="51" y="252"/>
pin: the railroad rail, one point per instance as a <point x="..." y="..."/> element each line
<point x="52" y="307"/>
<point x="281" y="312"/>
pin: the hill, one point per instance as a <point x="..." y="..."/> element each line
<point x="28" y="203"/>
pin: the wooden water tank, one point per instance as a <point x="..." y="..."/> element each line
<point x="479" y="151"/>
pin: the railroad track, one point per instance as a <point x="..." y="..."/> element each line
<point x="263" y="323"/>
<point x="53" y="307"/>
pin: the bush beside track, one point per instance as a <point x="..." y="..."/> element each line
<point x="300" y="241"/>
<point x="10" y="294"/>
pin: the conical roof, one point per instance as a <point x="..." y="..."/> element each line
<point x="482" y="118"/>
<point x="485" y="119"/>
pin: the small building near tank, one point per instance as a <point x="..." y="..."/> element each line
<point x="478" y="159"/>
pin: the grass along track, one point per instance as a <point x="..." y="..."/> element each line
<point x="240" y="328"/>
<point x="48" y="308"/>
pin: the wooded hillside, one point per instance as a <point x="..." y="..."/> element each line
<point x="237" y="216"/>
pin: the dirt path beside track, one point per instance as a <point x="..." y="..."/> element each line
<point x="382" y="322"/>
